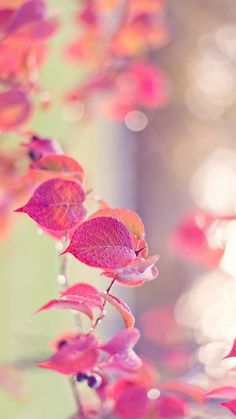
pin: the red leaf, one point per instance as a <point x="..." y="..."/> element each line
<point x="78" y="355"/>
<point x="129" y="218"/>
<point x="56" y="164"/>
<point x="121" y="307"/>
<point x="56" y="205"/>
<point x="102" y="242"/>
<point x="15" y="109"/>
<point x="69" y="303"/>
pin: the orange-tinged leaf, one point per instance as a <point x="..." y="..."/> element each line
<point x="56" y="164"/>
<point x="129" y="218"/>
<point x="121" y="307"/>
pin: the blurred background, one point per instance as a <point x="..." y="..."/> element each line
<point x="181" y="161"/>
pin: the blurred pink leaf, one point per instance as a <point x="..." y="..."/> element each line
<point x="79" y="354"/>
<point x="120" y="348"/>
<point x="15" y="109"/>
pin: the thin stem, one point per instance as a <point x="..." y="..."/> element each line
<point x="65" y="284"/>
<point x="104" y="304"/>
<point x="75" y="394"/>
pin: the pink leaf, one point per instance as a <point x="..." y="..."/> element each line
<point x="102" y="242"/>
<point x="85" y="292"/>
<point x="15" y="109"/>
<point x="56" y="205"/>
<point x="120" y="349"/>
<point x="121" y="307"/>
<point x="69" y="303"/>
<point x="78" y="355"/>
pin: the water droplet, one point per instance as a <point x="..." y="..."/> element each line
<point x="153" y="393"/>
<point x="59" y="245"/>
<point x="61" y="279"/>
<point x="136" y="120"/>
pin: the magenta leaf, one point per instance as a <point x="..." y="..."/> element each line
<point x="30" y="11"/>
<point x="56" y="205"/>
<point x="102" y="242"/>
<point x="59" y="165"/>
<point x="129" y="218"/>
<point x="121" y="307"/>
<point x="86" y="293"/>
<point x="79" y="354"/>
<point x="120" y="349"/>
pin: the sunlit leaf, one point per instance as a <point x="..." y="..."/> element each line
<point x="129" y="218"/>
<point x="56" y="164"/>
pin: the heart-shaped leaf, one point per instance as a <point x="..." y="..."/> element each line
<point x="102" y="242"/>
<point x="56" y="205"/>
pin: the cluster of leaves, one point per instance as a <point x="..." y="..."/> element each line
<point x="112" y="239"/>
<point x="25" y="28"/>
<point x="115" y="41"/>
